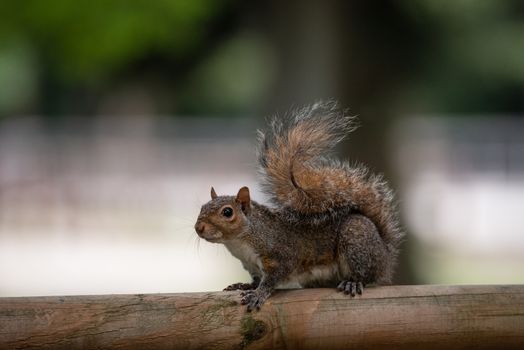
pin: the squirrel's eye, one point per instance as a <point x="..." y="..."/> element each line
<point x="227" y="212"/>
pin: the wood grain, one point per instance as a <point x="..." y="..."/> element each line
<point x="394" y="317"/>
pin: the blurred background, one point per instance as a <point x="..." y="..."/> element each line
<point x="116" y="118"/>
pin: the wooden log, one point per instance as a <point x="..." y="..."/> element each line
<point x="394" y="317"/>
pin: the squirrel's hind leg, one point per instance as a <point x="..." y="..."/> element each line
<point x="361" y="255"/>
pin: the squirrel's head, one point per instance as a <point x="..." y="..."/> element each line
<point x="224" y="217"/>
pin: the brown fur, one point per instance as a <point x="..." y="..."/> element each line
<point x="331" y="222"/>
<point x="297" y="174"/>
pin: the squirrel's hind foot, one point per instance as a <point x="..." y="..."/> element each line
<point x="351" y="288"/>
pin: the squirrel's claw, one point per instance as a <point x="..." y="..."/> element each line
<point x="351" y="288"/>
<point x="254" y="299"/>
<point x="239" y="286"/>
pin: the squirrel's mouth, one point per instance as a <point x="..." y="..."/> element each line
<point x="212" y="237"/>
<point x="207" y="232"/>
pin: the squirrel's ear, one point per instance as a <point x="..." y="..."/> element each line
<point x="213" y="193"/>
<point x="244" y="200"/>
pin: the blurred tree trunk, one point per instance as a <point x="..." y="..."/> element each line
<point x="352" y="51"/>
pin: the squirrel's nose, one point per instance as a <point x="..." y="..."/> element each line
<point x="200" y="227"/>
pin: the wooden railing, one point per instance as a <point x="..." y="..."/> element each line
<point x="394" y="317"/>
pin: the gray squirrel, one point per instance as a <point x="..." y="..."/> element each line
<point x="331" y="224"/>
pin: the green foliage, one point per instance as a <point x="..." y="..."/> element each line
<point x="236" y="77"/>
<point x="464" y="56"/>
<point x="88" y="39"/>
<point x="474" y="55"/>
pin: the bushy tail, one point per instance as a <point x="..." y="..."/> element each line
<point x="297" y="173"/>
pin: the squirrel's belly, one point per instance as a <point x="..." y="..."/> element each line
<point x="315" y="275"/>
<point x="247" y="255"/>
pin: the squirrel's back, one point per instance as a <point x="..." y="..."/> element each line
<point x="299" y="176"/>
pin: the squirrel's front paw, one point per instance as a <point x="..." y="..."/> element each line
<point x="240" y="286"/>
<point x="351" y="288"/>
<point x="253" y="299"/>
